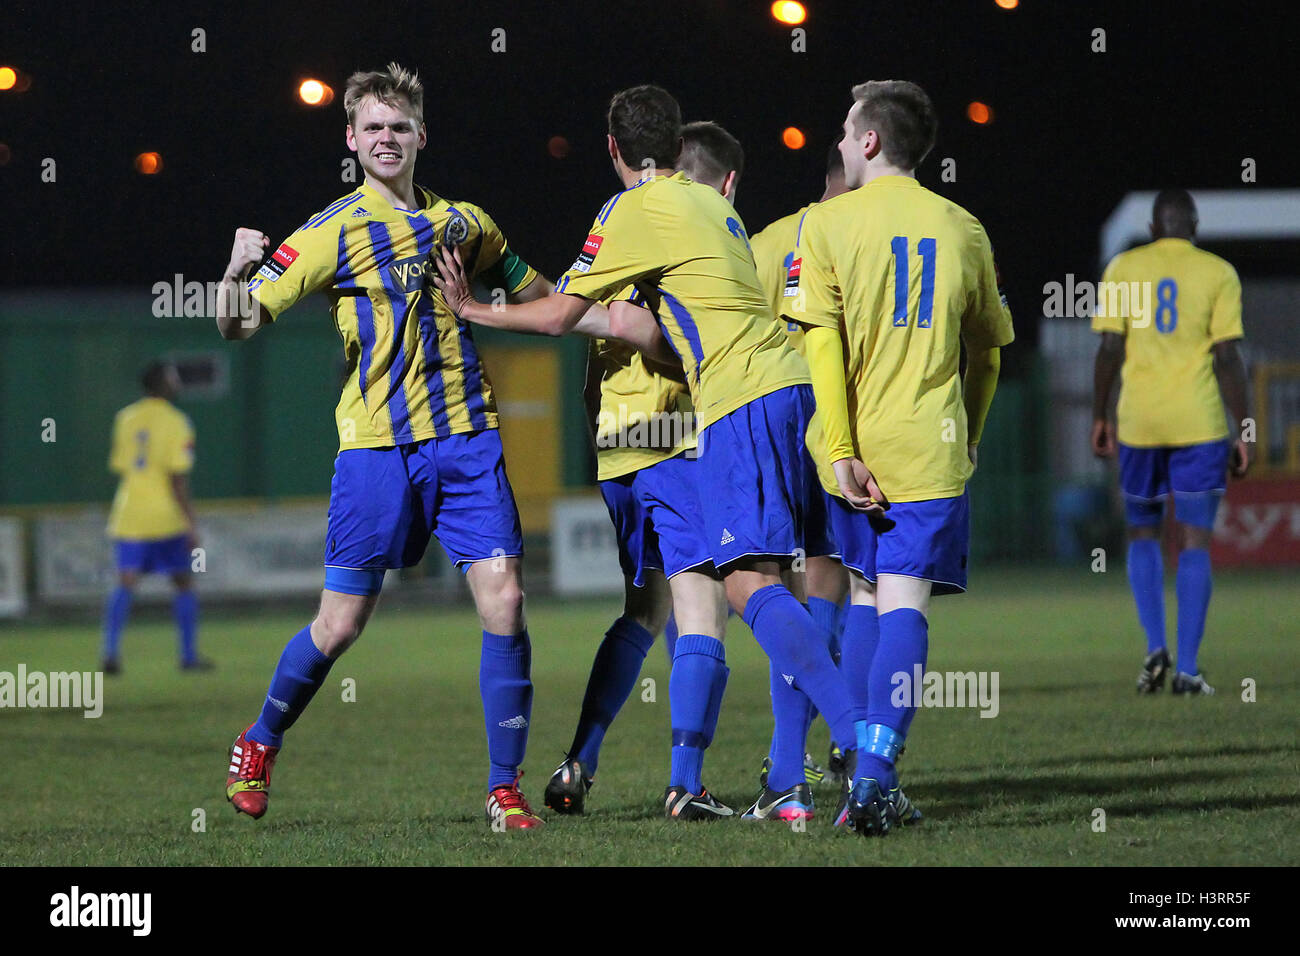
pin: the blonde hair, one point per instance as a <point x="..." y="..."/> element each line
<point x="385" y="86"/>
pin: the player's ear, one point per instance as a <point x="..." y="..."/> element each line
<point x="871" y="144"/>
<point x="350" y="138"/>
<point x="612" y="145"/>
<point x="729" y="187"/>
<point x="424" y="137"/>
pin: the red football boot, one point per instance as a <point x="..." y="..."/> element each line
<point x="507" y="809"/>
<point x="248" y="785"/>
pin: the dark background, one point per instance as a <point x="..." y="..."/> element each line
<point x="1184" y="92"/>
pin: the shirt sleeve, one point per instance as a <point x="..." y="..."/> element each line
<point x="306" y="262"/>
<point x="621" y="248"/>
<point x="180" y="460"/>
<point x="497" y="266"/>
<point x="987" y="322"/>
<point x="1102" y="320"/>
<point x="1225" y="321"/>
<point x="119" y="455"/>
<point x="812" y="294"/>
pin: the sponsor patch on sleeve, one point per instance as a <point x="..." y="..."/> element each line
<point x="792" y="279"/>
<point x="588" y="254"/>
<point x="280" y="260"/>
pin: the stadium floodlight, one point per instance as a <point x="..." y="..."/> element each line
<point x="981" y="114"/>
<point x="315" y="93"/>
<point x="8" y="78"/>
<point x="1007" y="4"/>
<point x="793" y="137"/>
<point x="148" y="164"/>
<point x="789" y="12"/>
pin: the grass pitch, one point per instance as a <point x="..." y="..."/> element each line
<point x="398" y="776"/>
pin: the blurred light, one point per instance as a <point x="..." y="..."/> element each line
<point x="793" y="137"/>
<point x="315" y="93"/>
<point x="8" y="77"/>
<point x="4" y="155"/>
<point x="148" y="164"/>
<point x="1007" y="4"/>
<point x="979" y="113"/>
<point x="558" y="147"/>
<point x="24" y="82"/>
<point x="788" y="11"/>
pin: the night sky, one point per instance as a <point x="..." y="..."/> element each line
<point x="1182" y="94"/>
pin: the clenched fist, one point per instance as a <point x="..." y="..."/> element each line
<point x="250" y="245"/>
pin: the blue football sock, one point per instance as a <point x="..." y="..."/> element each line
<point x="1146" y="575"/>
<point x="824" y="614"/>
<point x="794" y="644"/>
<point x="613" y="675"/>
<point x="301" y="671"/>
<point x="507" y="692"/>
<point x="861" y="637"/>
<point x="116" y="610"/>
<point x="715" y="704"/>
<point x="878" y="747"/>
<point x="670" y="637"/>
<point x="791" y="715"/>
<point x="695" y="670"/>
<point x="1194" y="586"/>
<point x="185" y="608"/>
<point x="904" y="645"/>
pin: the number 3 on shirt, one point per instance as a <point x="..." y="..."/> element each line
<point x="1166" y="306"/>
<point x="925" y="309"/>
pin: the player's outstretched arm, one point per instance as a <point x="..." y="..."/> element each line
<point x="1230" y="370"/>
<point x="1110" y="356"/>
<point x="637" y="327"/>
<point x="552" y="314"/>
<point x="239" y="315"/>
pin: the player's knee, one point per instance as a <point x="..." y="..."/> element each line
<point x="1195" y="537"/>
<point x="336" y="630"/>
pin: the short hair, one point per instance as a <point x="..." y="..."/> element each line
<point x="834" y="158"/>
<point x="646" y="122"/>
<point x="154" y="375"/>
<point x="1174" y="209"/>
<point x="385" y="86"/>
<point x="902" y="115"/>
<point x="709" y="152"/>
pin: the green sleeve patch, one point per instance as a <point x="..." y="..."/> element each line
<point x="506" y="273"/>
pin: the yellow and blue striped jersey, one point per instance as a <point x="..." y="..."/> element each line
<point x="685" y="249"/>
<point x="152" y="441"/>
<point x="773" y="252"/>
<point x="1168" y="393"/>
<point x="413" y="371"/>
<point x="905" y="276"/>
<point x="645" y="417"/>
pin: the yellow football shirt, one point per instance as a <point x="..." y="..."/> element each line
<point x="413" y="371"/>
<point x="1183" y="301"/>
<point x="905" y="276"/>
<point x="644" y="417"/>
<point x="152" y="441"/>
<point x="773" y="252"/>
<point x="685" y="249"/>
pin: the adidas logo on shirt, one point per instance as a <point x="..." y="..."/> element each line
<point x="515" y="723"/>
<point x="359" y="213"/>
<point x="727" y="536"/>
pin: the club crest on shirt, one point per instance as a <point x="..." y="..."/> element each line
<point x="455" y="231"/>
<point x="588" y="254"/>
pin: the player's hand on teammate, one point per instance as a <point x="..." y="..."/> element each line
<point x="249" y="248"/>
<point x="451" y="280"/>
<point x="1103" y="438"/>
<point x="1240" y="459"/>
<point x="972" y="452"/>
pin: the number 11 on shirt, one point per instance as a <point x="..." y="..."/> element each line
<point x="926" y="250"/>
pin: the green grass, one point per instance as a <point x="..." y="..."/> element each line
<point x="398" y="776"/>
